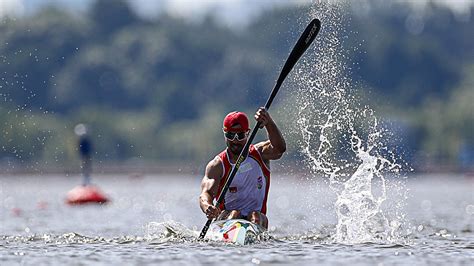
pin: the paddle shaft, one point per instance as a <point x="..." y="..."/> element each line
<point x="301" y="45"/>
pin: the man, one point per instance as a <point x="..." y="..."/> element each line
<point x="86" y="193"/>
<point x="85" y="151"/>
<point x="248" y="192"/>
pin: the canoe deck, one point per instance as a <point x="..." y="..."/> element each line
<point x="236" y="231"/>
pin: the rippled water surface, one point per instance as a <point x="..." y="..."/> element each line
<point x="37" y="227"/>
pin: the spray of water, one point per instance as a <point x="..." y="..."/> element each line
<point x="342" y="139"/>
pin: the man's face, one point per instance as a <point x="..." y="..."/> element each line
<point x="235" y="141"/>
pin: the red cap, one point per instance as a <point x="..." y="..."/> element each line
<point x="233" y="120"/>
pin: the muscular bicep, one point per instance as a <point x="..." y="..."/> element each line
<point x="212" y="177"/>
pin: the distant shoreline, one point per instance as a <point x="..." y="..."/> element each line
<point x="186" y="168"/>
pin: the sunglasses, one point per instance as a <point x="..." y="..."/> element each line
<point x="235" y="135"/>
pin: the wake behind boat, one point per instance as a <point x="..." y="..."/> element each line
<point x="237" y="231"/>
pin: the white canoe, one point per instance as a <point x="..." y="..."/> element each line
<point x="236" y="231"/>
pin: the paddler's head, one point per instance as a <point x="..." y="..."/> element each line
<point x="236" y="130"/>
<point x="80" y="130"/>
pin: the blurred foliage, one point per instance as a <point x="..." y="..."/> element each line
<point x="158" y="89"/>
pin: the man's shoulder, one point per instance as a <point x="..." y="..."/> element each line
<point x="216" y="161"/>
<point x="214" y="168"/>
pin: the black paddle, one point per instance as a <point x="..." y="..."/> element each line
<point x="300" y="47"/>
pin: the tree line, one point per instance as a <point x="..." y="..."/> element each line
<point x="157" y="89"/>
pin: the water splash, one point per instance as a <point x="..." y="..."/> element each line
<point x="342" y="138"/>
<point x="69" y="238"/>
<point x="170" y="231"/>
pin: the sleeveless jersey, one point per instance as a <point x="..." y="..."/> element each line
<point x="249" y="189"/>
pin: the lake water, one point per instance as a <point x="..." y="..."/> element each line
<point x="37" y="227"/>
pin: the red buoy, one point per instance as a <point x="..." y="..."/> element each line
<point x="85" y="194"/>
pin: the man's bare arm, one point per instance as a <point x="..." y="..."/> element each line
<point x="209" y="186"/>
<point x="275" y="146"/>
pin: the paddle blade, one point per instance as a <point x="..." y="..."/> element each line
<point x="305" y="40"/>
<point x="301" y="46"/>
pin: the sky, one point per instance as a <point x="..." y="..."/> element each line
<point x="231" y="12"/>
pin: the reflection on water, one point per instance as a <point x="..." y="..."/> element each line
<point x="38" y="227"/>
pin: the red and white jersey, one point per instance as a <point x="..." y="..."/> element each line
<point x="249" y="189"/>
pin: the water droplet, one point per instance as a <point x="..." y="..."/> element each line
<point x="255" y="261"/>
